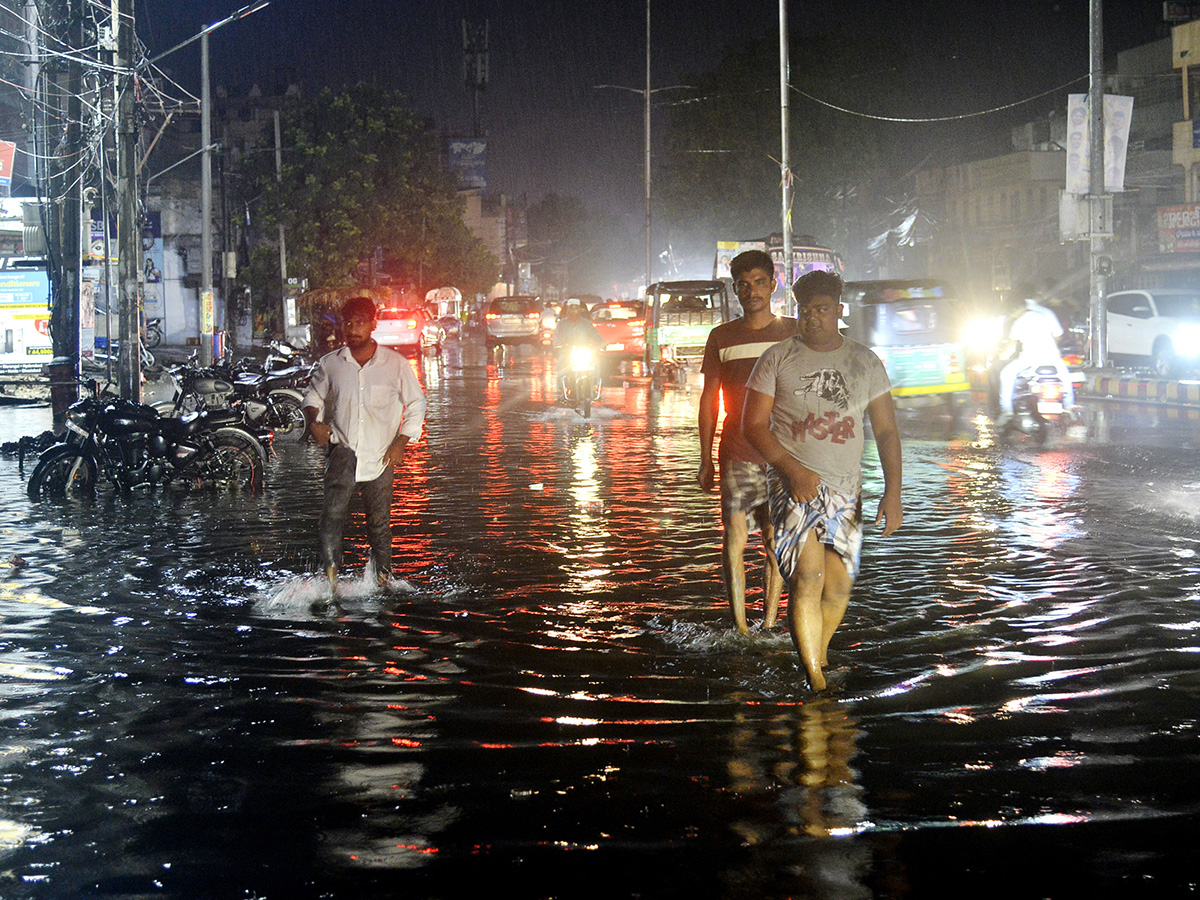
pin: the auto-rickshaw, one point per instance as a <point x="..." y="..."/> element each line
<point x="917" y="328"/>
<point x="679" y="316"/>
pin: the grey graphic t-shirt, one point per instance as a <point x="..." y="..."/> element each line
<point x="820" y="405"/>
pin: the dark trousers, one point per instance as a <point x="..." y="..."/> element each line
<point x="377" y="500"/>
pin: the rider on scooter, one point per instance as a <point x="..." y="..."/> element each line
<point x="1035" y="332"/>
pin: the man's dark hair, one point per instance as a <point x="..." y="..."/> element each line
<point x="817" y="283"/>
<point x="749" y="261"/>
<point x="362" y="306"/>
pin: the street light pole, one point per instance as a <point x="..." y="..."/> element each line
<point x="206" y="275"/>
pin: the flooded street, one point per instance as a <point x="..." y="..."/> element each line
<point x="553" y="702"/>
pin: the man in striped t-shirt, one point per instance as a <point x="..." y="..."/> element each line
<point x="729" y="356"/>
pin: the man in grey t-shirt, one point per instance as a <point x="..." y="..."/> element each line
<point x="805" y="405"/>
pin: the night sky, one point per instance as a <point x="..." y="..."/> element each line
<point x="551" y="130"/>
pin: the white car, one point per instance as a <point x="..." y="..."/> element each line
<point x="1158" y="326"/>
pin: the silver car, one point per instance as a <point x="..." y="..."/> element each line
<point x="513" y="320"/>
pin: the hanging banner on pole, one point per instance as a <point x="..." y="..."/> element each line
<point x="1118" y="110"/>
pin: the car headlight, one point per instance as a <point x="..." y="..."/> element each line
<point x="982" y="334"/>
<point x="1187" y="339"/>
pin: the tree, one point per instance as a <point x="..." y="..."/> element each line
<point x="361" y="173"/>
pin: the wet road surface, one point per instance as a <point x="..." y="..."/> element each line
<point x="552" y="702"/>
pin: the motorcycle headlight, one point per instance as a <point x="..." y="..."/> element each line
<point x="582" y="357"/>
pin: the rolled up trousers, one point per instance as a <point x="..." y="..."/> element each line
<point x="340" y="485"/>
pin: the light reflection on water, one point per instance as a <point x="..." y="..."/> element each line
<point x="553" y="692"/>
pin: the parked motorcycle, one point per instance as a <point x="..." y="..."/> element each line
<point x="269" y="402"/>
<point x="131" y="445"/>
<point x="152" y="336"/>
<point x="580" y="382"/>
<point x="1038" y="403"/>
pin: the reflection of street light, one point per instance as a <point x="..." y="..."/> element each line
<point x="646" y="92"/>
<point x="206" y="278"/>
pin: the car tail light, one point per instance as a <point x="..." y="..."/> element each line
<point x="412" y="323"/>
<point x="638" y="328"/>
<point x="533" y="315"/>
<point x="491" y="315"/>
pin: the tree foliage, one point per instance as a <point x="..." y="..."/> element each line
<point x="362" y="174"/>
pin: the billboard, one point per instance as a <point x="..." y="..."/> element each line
<point x="25" y="343"/>
<point x="468" y="160"/>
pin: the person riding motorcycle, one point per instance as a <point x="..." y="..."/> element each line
<point x="1034" y="332"/>
<point x="574" y="329"/>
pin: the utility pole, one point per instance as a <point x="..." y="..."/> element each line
<point x="1099" y="205"/>
<point x="129" y="243"/>
<point x="784" y="163"/>
<point x="206" y="274"/>
<point x="646" y="116"/>
<point x="283" y="276"/>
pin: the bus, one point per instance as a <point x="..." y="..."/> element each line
<point x="807" y="256"/>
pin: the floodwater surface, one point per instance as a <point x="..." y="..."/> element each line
<point x="551" y="701"/>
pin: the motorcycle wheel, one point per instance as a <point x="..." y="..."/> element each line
<point x="62" y="472"/>
<point x="585" y="406"/>
<point x="153" y="338"/>
<point x="287" y="414"/>
<point x="234" y="462"/>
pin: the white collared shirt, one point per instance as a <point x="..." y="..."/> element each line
<point x="367" y="406"/>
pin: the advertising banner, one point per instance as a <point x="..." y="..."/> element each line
<point x="1118" y="110"/>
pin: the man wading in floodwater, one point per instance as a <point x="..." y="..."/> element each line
<point x="365" y="404"/>
<point x="805" y="402"/>
<point x="729" y="356"/>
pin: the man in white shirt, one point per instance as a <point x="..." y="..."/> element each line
<point x="1036" y="331"/>
<point x="366" y="405"/>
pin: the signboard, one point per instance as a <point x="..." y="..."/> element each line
<point x="468" y="160"/>
<point x="25" y="343"/>
<point x="1179" y="228"/>
<point x="7" y="151"/>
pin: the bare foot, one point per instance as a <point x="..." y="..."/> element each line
<point x="816" y="681"/>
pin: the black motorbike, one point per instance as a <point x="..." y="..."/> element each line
<point x="130" y="445"/>
<point x="271" y="402"/>
<point x="580" y="382"/>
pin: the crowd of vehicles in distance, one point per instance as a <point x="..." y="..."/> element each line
<point x="679" y="316"/>
<point x="622" y="327"/>
<point x="409" y="328"/>
<point x="513" y="320"/>
<point x="917" y="328"/>
<point x="1158" y="327"/>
